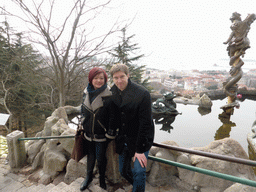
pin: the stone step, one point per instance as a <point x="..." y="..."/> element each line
<point x="10" y="182"/>
<point x="11" y="185"/>
<point x="60" y="187"/>
<point x="32" y="188"/>
<point x="46" y="188"/>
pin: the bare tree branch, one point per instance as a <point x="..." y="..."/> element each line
<point x="68" y="54"/>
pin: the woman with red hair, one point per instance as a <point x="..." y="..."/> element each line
<point x="95" y="120"/>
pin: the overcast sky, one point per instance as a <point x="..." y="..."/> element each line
<point x="182" y="34"/>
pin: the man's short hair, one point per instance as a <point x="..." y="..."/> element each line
<point x="119" y="67"/>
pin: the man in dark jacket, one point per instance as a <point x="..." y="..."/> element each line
<point x="134" y="125"/>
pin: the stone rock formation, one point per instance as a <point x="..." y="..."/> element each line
<point x="225" y="146"/>
<point x="53" y="156"/>
<point x="203" y="101"/>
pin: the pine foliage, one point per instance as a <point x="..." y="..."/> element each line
<point x="126" y="53"/>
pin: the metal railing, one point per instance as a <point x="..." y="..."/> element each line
<point x="206" y="172"/>
<point x="182" y="149"/>
<point x="206" y="154"/>
<point x="47" y="137"/>
<point x="184" y="166"/>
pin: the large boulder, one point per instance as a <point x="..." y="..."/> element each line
<point x="205" y="101"/>
<point x="228" y="147"/>
<point x="75" y="170"/>
<point x="72" y="111"/>
<point x="160" y="173"/>
<point x="58" y="114"/>
<point x="59" y="127"/>
<point x="238" y="187"/>
<point x="68" y="144"/>
<point x="53" y="154"/>
<point x="54" y="162"/>
<point x="50" y="121"/>
<point x="33" y="150"/>
<point x="39" y="159"/>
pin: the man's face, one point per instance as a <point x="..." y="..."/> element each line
<point x="121" y="80"/>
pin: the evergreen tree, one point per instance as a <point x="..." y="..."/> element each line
<point x="125" y="53"/>
<point x="21" y="86"/>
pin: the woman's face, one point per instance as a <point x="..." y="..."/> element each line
<point x="98" y="81"/>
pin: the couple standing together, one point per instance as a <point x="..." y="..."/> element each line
<point x="122" y="113"/>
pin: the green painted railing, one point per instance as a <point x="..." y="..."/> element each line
<point x="201" y="153"/>
<point x="47" y="137"/>
<point x="205" y="171"/>
<point x="184" y="166"/>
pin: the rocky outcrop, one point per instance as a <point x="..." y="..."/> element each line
<point x="225" y="146"/>
<point x="161" y="174"/>
<point x="54" y="157"/>
<point x="240" y="188"/>
<point x="75" y="169"/>
<point x="202" y="101"/>
<point x="205" y="101"/>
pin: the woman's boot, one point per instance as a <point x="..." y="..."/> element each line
<point x="86" y="182"/>
<point x="90" y="166"/>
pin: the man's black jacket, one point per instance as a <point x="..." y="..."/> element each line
<point x="132" y="118"/>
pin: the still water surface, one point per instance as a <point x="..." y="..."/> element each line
<point x="191" y="129"/>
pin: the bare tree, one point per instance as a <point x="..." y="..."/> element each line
<point x="69" y="42"/>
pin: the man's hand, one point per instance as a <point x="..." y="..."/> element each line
<point x="141" y="158"/>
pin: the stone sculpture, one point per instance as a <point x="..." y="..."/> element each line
<point x="165" y="105"/>
<point x="238" y="43"/>
<point x="164" y="111"/>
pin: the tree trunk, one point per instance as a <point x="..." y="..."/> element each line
<point x="20" y="124"/>
<point x="25" y="128"/>
<point x="62" y="89"/>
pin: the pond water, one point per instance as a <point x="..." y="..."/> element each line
<point x="191" y="129"/>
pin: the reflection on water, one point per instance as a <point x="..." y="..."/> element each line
<point x="224" y="130"/>
<point x="204" y="111"/>
<point x="197" y="127"/>
<point x="166" y="121"/>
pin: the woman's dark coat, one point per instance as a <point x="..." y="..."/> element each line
<point x="96" y="116"/>
<point x="131" y="117"/>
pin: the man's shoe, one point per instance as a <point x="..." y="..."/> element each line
<point x="85" y="183"/>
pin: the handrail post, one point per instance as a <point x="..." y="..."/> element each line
<point x="16" y="149"/>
